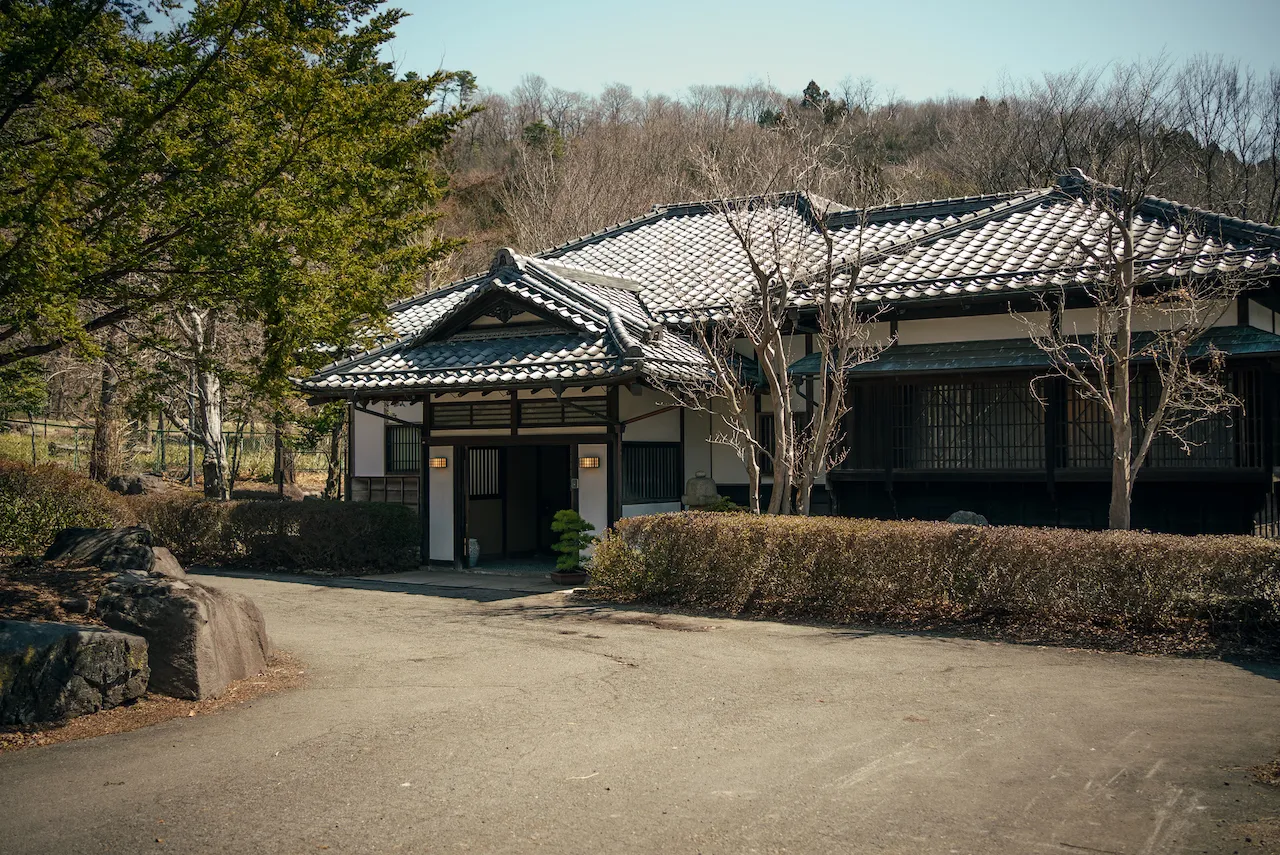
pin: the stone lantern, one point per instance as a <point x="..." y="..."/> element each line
<point x="700" y="492"/>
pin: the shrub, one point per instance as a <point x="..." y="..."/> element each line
<point x="852" y="570"/>
<point x="347" y="537"/>
<point x="36" y="502"/>
<point x="572" y="529"/>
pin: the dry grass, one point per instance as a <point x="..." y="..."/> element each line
<point x="33" y="590"/>
<point x="283" y="672"/>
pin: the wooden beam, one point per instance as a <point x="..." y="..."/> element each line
<point x="459" y="507"/>
<point x="385" y="416"/>
<point x="614" y="479"/>
<point x="351" y="451"/>
<point x="424" y="483"/>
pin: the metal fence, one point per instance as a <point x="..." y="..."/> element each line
<point x="170" y="452"/>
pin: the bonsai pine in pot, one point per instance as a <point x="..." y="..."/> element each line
<point x="572" y="529"/>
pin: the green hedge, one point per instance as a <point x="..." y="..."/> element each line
<point x="36" y="502"/>
<point x="852" y="570"/>
<point x="344" y="537"/>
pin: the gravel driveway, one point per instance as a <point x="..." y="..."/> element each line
<point x="443" y="720"/>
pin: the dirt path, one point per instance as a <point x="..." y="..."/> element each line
<point x="453" y="720"/>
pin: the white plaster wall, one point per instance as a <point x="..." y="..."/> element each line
<point x="650" y="508"/>
<point x="697" y="446"/>
<point x="725" y="468"/>
<point x="973" y="328"/>
<point x="1261" y="317"/>
<point x="593" y="488"/>
<point x="1084" y="321"/>
<point x="440" y="517"/>
<point x="369" y="436"/>
<point x="367" y="445"/>
<point x="660" y="428"/>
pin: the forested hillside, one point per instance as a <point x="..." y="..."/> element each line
<point x="540" y="165"/>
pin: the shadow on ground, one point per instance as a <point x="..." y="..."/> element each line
<point x="476" y="594"/>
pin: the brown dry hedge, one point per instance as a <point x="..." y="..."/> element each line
<point x="896" y="572"/>
<point x="343" y="537"/>
<point x="36" y="502"/>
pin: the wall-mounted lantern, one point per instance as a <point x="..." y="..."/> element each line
<point x="438" y="462"/>
<point x="588" y="462"/>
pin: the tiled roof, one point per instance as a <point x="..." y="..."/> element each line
<point x="597" y="330"/>
<point x="607" y="292"/>
<point x="692" y="265"/>
<point x="1024" y="353"/>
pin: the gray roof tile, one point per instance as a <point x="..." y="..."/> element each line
<point x="609" y="289"/>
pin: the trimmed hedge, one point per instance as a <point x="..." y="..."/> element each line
<point x="36" y="502"/>
<point x="345" y="537"/>
<point x="870" y="571"/>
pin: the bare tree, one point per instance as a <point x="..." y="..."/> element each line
<point x="791" y="255"/>
<point x="726" y="395"/>
<point x="1103" y="366"/>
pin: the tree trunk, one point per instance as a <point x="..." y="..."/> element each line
<point x="285" y="473"/>
<point x="104" y="455"/>
<point x="1121" y="480"/>
<point x="214" y="442"/>
<point x="333" y="477"/>
<point x="1121" y="391"/>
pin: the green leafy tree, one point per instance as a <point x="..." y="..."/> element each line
<point x="242" y="162"/>
<point x="574" y="538"/>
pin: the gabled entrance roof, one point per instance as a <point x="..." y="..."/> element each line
<point x="589" y="329"/>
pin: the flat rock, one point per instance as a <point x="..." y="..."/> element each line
<point x="200" y="638"/>
<point x="118" y="550"/>
<point x="56" y="671"/>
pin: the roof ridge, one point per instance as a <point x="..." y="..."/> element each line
<point x="1014" y="204"/>
<point x="1074" y="268"/>
<point x="1076" y="179"/>
<point x="442" y="290"/>
<point x="948" y="202"/>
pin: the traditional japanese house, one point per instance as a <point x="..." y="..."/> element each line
<point x="533" y="386"/>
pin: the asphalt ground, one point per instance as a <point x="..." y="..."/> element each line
<point x="457" y="719"/>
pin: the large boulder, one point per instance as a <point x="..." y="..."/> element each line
<point x="200" y="638"/>
<point x="116" y="550"/>
<point x="166" y="565"/>
<point x="55" y="671"/>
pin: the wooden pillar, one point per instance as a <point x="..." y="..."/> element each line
<point x="351" y="451"/>
<point x="614" y="479"/>
<point x="684" y="455"/>
<point x="1054" y="428"/>
<point x="573" y="476"/>
<point x="459" y="506"/>
<point x="887" y="403"/>
<point x="424" y="482"/>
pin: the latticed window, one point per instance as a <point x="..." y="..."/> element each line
<point x="980" y="424"/>
<point x="484" y="473"/>
<point x="651" y="472"/>
<point x="470" y="414"/>
<point x="403" y="447"/>
<point x="1224" y="440"/>
<point x="565" y="411"/>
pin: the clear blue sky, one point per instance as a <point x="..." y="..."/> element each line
<point x="918" y="48"/>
